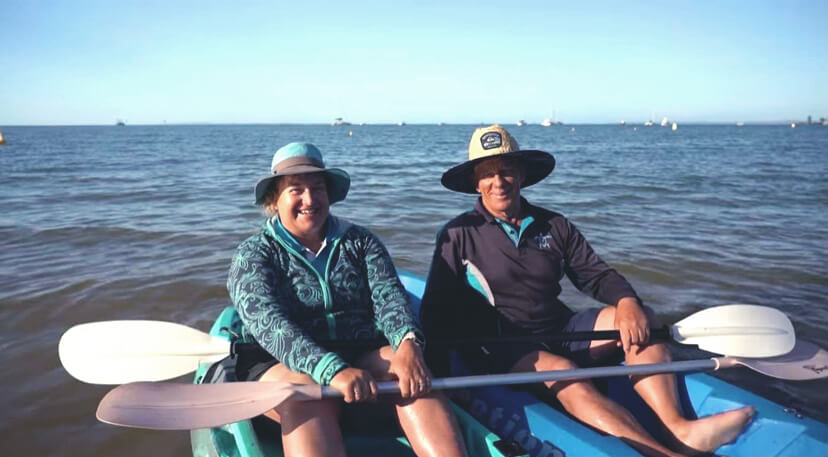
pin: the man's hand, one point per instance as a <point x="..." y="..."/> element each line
<point x="355" y="385"/>
<point x="631" y="322"/>
<point x="410" y="369"/>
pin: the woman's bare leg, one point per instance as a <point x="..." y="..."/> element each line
<point x="661" y="394"/>
<point x="309" y="428"/>
<point x="427" y="422"/>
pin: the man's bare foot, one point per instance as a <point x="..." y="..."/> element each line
<point x="705" y="435"/>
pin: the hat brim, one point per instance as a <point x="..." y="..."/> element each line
<point x="539" y="164"/>
<point x="338" y="182"/>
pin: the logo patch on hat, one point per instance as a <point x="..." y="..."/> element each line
<point x="491" y="140"/>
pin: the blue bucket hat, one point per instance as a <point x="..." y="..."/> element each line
<point x="300" y="158"/>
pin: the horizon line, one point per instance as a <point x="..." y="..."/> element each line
<point x="814" y="122"/>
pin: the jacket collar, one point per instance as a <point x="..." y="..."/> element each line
<point x="526" y="209"/>
<point x="336" y="229"/>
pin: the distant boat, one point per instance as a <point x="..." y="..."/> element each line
<point x="120" y="123"/>
<point x="740" y="124"/>
<point x="521" y="123"/>
<point x="441" y="123"/>
<point x="664" y="122"/>
<point x="2" y="140"/>
<point x="623" y="123"/>
<point x="547" y="122"/>
<point x="401" y="123"/>
<point x="793" y="125"/>
<point x="650" y="122"/>
<point x="675" y="126"/>
<point x="339" y="121"/>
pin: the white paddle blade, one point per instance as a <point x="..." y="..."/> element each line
<point x="169" y="406"/>
<point x="117" y="352"/>
<point x="805" y="362"/>
<point x="738" y="330"/>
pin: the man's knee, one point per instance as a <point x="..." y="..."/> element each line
<point x="544" y="361"/>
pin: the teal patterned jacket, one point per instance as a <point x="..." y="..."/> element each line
<point x="288" y="307"/>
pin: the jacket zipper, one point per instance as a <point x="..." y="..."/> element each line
<point x="326" y="293"/>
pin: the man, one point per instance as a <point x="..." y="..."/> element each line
<point x="496" y="271"/>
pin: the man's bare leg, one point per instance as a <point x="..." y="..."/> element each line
<point x="587" y="404"/>
<point x="660" y="392"/>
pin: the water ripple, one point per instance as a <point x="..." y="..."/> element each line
<point x="141" y="222"/>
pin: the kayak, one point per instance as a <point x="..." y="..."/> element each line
<point x="260" y="437"/>
<point x="544" y="431"/>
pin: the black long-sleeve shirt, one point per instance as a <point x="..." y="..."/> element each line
<point x="482" y="284"/>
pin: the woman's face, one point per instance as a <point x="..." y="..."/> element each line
<point x="303" y="204"/>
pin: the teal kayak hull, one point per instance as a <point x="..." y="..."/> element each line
<point x="544" y="431"/>
<point x="246" y="439"/>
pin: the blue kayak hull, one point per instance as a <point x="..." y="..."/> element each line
<point x="544" y="431"/>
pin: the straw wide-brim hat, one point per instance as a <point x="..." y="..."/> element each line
<point x="299" y="158"/>
<point x="495" y="141"/>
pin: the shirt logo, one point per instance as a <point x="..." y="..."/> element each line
<point x="491" y="140"/>
<point x="543" y="241"/>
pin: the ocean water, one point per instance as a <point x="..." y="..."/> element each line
<point x="132" y="222"/>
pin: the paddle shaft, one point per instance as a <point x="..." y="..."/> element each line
<point x="662" y="333"/>
<point x="154" y="351"/>
<point x="459" y="382"/>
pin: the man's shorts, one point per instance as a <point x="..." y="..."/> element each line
<point x="500" y="358"/>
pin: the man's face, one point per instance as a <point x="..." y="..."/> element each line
<point x="498" y="182"/>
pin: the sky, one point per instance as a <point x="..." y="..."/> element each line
<point x="149" y="62"/>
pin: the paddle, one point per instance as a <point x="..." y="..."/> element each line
<point x="117" y="352"/>
<point x="170" y="406"/>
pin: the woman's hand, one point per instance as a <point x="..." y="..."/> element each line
<point x="355" y="385"/>
<point x="632" y="324"/>
<point x="410" y="369"/>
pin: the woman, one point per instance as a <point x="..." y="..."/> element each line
<point x="308" y="280"/>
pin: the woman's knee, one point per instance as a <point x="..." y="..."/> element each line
<point x="376" y="362"/>
<point x="281" y="373"/>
